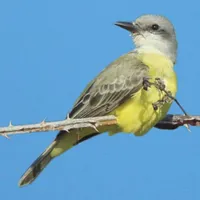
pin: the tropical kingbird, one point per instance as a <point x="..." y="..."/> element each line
<point x="120" y="89"/>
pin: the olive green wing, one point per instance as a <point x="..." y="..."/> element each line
<point x="113" y="86"/>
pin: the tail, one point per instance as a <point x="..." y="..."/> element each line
<point x="63" y="142"/>
<point x="38" y="165"/>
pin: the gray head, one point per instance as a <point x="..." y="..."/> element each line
<point x="153" y="31"/>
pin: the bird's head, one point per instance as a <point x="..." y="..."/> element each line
<point x="153" y="31"/>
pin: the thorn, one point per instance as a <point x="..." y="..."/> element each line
<point x="5" y="135"/>
<point x="94" y="127"/>
<point x="188" y="127"/>
<point x="10" y="124"/>
<point x="68" y="116"/>
<point x="65" y="129"/>
<point x="43" y="121"/>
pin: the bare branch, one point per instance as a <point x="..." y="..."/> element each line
<point x="170" y="122"/>
<point x="58" y="125"/>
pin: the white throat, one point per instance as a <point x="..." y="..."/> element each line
<point x="156" y="44"/>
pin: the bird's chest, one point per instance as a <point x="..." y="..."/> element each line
<point x="161" y="68"/>
<point x="138" y="115"/>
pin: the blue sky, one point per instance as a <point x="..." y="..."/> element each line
<point x="49" y="51"/>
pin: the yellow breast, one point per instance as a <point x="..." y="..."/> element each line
<point x="137" y="115"/>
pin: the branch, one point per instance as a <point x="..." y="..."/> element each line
<point x="169" y="122"/>
<point x="66" y="124"/>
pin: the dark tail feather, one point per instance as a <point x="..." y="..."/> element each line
<point x="44" y="159"/>
<point x="38" y="165"/>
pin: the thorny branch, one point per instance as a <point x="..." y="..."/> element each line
<point x="169" y="122"/>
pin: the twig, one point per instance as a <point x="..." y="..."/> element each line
<point x="177" y="102"/>
<point x="170" y="122"/>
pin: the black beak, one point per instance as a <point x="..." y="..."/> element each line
<point x="129" y="26"/>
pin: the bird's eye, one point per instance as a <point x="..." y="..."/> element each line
<point x="155" y="27"/>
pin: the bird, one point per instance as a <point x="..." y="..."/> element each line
<point x="129" y="88"/>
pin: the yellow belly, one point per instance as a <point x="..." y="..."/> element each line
<point x="137" y="115"/>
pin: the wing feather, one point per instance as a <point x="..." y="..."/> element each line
<point x="113" y="86"/>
